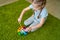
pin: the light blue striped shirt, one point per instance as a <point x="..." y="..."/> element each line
<point x="43" y="13"/>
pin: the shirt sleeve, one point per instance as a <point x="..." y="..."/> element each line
<point x="31" y="6"/>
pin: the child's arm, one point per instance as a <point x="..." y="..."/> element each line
<point x="22" y="13"/>
<point x="39" y="25"/>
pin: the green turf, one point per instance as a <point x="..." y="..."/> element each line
<point x="8" y="24"/>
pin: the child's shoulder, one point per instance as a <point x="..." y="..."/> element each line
<point x="44" y="12"/>
<point x="44" y="9"/>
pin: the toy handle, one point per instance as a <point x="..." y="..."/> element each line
<point x="20" y="23"/>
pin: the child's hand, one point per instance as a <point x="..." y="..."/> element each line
<point x="19" y="20"/>
<point x="28" y="29"/>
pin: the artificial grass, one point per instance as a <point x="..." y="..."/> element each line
<point x="8" y="24"/>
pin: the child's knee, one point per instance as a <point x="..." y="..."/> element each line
<point x="25" y="23"/>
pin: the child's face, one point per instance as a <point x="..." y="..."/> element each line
<point x="36" y="7"/>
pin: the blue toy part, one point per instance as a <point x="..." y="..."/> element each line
<point x="23" y="32"/>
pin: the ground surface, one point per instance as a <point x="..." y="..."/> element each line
<point x="5" y="2"/>
<point x="54" y="7"/>
<point x="8" y="24"/>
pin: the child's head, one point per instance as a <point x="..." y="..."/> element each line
<point x="38" y="4"/>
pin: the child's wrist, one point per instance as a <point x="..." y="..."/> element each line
<point x="29" y="29"/>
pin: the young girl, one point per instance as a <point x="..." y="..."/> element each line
<point x="38" y="18"/>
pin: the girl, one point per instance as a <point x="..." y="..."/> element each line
<point x="38" y="18"/>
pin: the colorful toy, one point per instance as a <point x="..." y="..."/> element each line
<point x="21" y="31"/>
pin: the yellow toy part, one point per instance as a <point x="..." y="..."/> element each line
<point x="20" y="28"/>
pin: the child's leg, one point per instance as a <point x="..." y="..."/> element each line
<point x="33" y="24"/>
<point x="29" y="21"/>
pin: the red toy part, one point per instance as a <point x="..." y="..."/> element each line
<point x="24" y="27"/>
